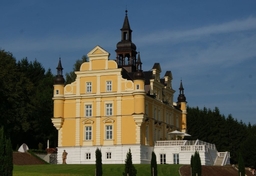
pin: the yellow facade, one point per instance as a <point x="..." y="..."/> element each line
<point x="131" y="107"/>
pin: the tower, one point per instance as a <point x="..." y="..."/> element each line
<point x="126" y="50"/>
<point x="58" y="97"/>
<point x="139" y="99"/>
<point x="182" y="104"/>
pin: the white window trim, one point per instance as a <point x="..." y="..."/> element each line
<point x="85" y="133"/>
<point x="88" y="87"/>
<point x="106" y="109"/>
<point x="106" y="132"/>
<point x="88" y="156"/>
<point x="108" y="155"/>
<point x="85" y="109"/>
<point x="108" y="86"/>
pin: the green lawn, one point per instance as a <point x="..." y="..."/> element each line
<point x="88" y="170"/>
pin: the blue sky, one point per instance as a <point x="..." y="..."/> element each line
<point x="210" y="45"/>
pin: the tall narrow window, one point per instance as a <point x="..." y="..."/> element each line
<point x="176" y="158"/>
<point x="147" y="136"/>
<point x="88" y="133"/>
<point x="109" y="86"/>
<point x="88" y="87"/>
<point x="146" y="108"/>
<point x="88" y="110"/>
<point x="109" y="110"/>
<point x="155" y="114"/>
<point x="177" y="121"/>
<point x="162" y="158"/>
<point x="108" y="131"/>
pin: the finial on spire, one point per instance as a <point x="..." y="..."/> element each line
<point x="126" y="11"/>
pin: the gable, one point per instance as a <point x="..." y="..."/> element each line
<point x="98" y="53"/>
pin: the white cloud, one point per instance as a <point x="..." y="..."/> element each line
<point x="195" y="34"/>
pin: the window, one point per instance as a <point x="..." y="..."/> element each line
<point x="109" y="110"/>
<point x="162" y="158"/>
<point x="137" y="86"/>
<point x="155" y="114"/>
<point x="147" y="136"/>
<point x="88" y="110"/>
<point x="57" y="92"/>
<point x="88" y="133"/>
<point x="108" y="155"/>
<point x="108" y="131"/>
<point x="146" y="109"/>
<point x="109" y="86"/>
<point x="88" y="87"/>
<point x="175" y="158"/>
<point x="87" y="156"/>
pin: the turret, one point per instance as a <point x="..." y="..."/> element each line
<point x="139" y="82"/>
<point x="58" y="97"/>
<point x="182" y="104"/>
<point x="125" y="49"/>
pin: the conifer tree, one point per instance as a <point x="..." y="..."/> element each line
<point x="192" y="165"/>
<point x="153" y="164"/>
<point x="6" y="164"/>
<point x="2" y="144"/>
<point x="129" y="167"/>
<point x="241" y="167"/>
<point x="98" y="162"/>
<point x="195" y="163"/>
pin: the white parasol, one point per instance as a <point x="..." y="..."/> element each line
<point x="178" y="133"/>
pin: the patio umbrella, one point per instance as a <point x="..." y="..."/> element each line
<point x="186" y="134"/>
<point x="176" y="133"/>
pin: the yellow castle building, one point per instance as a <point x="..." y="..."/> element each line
<point x="115" y="106"/>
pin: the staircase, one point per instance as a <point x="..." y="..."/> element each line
<point x="218" y="161"/>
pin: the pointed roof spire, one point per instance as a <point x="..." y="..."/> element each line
<point x="138" y="59"/>
<point x="181" y="87"/>
<point x="181" y="97"/>
<point x="59" y="67"/>
<point x="126" y="25"/>
<point x="59" y="77"/>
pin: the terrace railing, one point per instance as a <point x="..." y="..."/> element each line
<point x="187" y="145"/>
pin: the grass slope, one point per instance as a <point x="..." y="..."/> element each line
<point x="88" y="170"/>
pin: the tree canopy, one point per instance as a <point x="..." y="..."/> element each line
<point x="225" y="132"/>
<point x="26" y="101"/>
